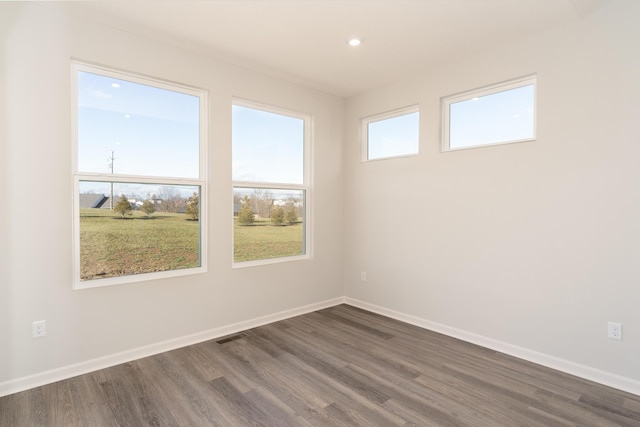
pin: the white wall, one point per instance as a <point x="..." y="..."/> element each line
<point x="533" y="247"/>
<point x="36" y="188"/>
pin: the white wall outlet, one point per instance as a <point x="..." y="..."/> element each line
<point x="363" y="276"/>
<point x="615" y="331"/>
<point x="39" y="329"/>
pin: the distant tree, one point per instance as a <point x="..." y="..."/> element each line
<point x="148" y="207"/>
<point x="193" y="209"/>
<point x="169" y="196"/>
<point x="262" y="202"/>
<point x="123" y="206"/>
<point x="245" y="213"/>
<point x="277" y="215"/>
<point x="290" y="216"/>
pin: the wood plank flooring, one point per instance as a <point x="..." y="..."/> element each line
<point x="341" y="366"/>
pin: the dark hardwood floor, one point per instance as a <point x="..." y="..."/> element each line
<point x="341" y="366"/>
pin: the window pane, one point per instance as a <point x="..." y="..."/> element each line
<point x="506" y="116"/>
<point x="396" y="136"/>
<point x="134" y="129"/>
<point x="268" y="223"/>
<point x="143" y="228"/>
<point x="267" y="147"/>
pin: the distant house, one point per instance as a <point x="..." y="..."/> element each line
<point x="136" y="204"/>
<point x="95" y="201"/>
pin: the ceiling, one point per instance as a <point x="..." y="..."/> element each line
<point x="305" y="41"/>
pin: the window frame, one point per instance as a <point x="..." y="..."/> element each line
<point x="364" y="131"/>
<point x="78" y="176"/>
<point x="447" y="101"/>
<point x="305" y="187"/>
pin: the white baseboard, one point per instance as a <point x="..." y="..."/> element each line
<point x="582" y="371"/>
<point x="65" y="372"/>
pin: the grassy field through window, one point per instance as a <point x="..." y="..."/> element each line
<point x="263" y="240"/>
<point x="112" y="246"/>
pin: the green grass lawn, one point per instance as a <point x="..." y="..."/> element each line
<point x="262" y="240"/>
<point x="112" y="246"/>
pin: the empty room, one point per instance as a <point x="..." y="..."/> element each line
<point x="320" y="212"/>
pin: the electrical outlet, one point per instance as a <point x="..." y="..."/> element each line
<point x="615" y="331"/>
<point x="39" y="329"/>
<point x="363" y="276"/>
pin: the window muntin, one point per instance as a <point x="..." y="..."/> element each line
<point x="271" y="174"/>
<point x="393" y="134"/>
<point x="498" y="114"/>
<point x="143" y="139"/>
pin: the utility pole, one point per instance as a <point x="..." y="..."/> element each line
<point x="110" y="165"/>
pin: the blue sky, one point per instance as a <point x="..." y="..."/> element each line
<point x="499" y="117"/>
<point x="153" y="132"/>
<point x="267" y="147"/>
<point x="392" y="137"/>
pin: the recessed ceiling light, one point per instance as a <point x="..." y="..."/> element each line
<point x="354" y="42"/>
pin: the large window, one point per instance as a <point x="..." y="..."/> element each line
<point x="393" y="134"/>
<point x="139" y="177"/>
<point x="498" y="114"/>
<point x="271" y="193"/>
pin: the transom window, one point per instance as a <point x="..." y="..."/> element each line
<point x="498" y="114"/>
<point x="139" y="177"/>
<point x="392" y="134"/>
<point x="271" y="192"/>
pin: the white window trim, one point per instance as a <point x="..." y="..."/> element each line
<point x="201" y="181"/>
<point x="306" y="186"/>
<point x="446" y="102"/>
<point x="364" y="131"/>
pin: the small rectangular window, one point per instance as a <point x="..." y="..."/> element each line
<point x="499" y="114"/>
<point x="271" y="175"/>
<point x="139" y="177"/>
<point x="393" y="134"/>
